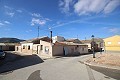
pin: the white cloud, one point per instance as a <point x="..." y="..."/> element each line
<point x="1" y="24"/>
<point x="7" y="22"/>
<point x="114" y="30"/>
<point x="37" y="21"/>
<point x="86" y="7"/>
<point x="111" y="6"/>
<point x="65" y="6"/>
<point x="20" y="11"/>
<point x="11" y="14"/>
<point x="9" y="11"/>
<point x="7" y="7"/>
<point x="36" y="15"/>
<point x="83" y="7"/>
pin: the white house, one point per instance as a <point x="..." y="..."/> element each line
<point x="58" y="39"/>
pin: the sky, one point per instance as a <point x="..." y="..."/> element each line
<point x="67" y="18"/>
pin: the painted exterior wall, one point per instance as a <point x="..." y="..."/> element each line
<point x="89" y="45"/>
<point x="18" y="48"/>
<point x="45" y="48"/>
<point x="69" y="50"/>
<point x="57" y="50"/>
<point x="36" y="48"/>
<point x="83" y="49"/>
<point x="25" y="47"/>
<point x="112" y="43"/>
<point x="58" y="38"/>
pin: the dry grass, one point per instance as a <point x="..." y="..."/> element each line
<point x="109" y="59"/>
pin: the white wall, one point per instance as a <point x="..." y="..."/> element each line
<point x="18" y="48"/>
<point x="58" y="38"/>
<point x="46" y="46"/>
<point x="28" y="44"/>
<point x="26" y="47"/>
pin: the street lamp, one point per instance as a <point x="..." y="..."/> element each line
<point x="93" y="45"/>
<point x="100" y="47"/>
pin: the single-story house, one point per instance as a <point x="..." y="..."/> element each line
<point x="30" y="46"/>
<point x="43" y="46"/>
<point x="7" y="46"/>
<point x="62" y="48"/>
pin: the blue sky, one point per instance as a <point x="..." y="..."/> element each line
<point x="68" y="18"/>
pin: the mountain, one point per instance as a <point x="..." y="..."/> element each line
<point x="10" y="40"/>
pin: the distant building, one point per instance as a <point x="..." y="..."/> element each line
<point x="58" y="39"/>
<point x="112" y="43"/>
<point x="98" y="43"/>
<point x="7" y="46"/>
<point x="74" y="41"/>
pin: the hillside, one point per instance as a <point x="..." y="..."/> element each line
<point x="10" y="40"/>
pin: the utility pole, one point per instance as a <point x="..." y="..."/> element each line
<point x="38" y="31"/>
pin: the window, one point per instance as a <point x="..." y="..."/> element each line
<point x="46" y="49"/>
<point x="24" y="47"/>
<point x="41" y="47"/>
<point x="109" y="43"/>
<point x="29" y="47"/>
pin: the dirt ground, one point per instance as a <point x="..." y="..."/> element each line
<point x="108" y="59"/>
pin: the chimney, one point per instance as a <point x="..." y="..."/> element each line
<point x="51" y="36"/>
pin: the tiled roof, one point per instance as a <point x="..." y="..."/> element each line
<point x="69" y="43"/>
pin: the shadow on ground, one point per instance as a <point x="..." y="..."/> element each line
<point x="35" y="76"/>
<point x="16" y="61"/>
<point x="108" y="72"/>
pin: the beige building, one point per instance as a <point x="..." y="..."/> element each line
<point x="62" y="48"/>
<point x="44" y="47"/>
<point x="70" y="48"/>
<point x="31" y="46"/>
<point x="98" y="43"/>
<point x="112" y="43"/>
